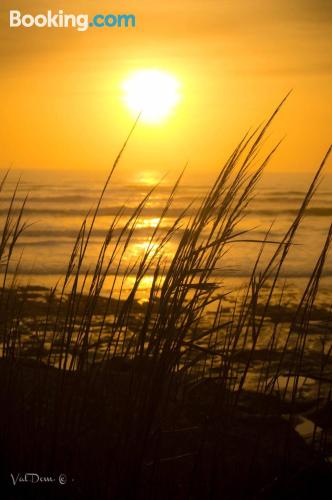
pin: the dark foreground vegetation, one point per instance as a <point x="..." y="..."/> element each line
<point x="122" y="400"/>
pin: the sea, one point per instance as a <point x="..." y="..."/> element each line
<point x="58" y="202"/>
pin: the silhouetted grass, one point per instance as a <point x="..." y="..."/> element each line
<point x="152" y="401"/>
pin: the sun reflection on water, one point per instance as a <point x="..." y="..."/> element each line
<point x="145" y="247"/>
<point x="148" y="222"/>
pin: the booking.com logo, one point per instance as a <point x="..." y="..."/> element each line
<point x="79" y="21"/>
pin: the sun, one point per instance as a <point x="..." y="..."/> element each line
<point x="153" y="93"/>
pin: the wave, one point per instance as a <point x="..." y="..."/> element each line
<point x="313" y="211"/>
<point x="92" y="200"/>
<point x="106" y="211"/>
<point x="47" y="237"/>
<point x="68" y="234"/>
<point x="156" y="211"/>
<point x="295" y="193"/>
<point x="287" y="199"/>
<point x="60" y="270"/>
<point x="88" y="188"/>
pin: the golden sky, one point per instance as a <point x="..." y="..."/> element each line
<point x="62" y="105"/>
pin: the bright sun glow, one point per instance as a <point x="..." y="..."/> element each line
<point x="153" y="93"/>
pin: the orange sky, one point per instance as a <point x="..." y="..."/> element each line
<point x="62" y="105"/>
